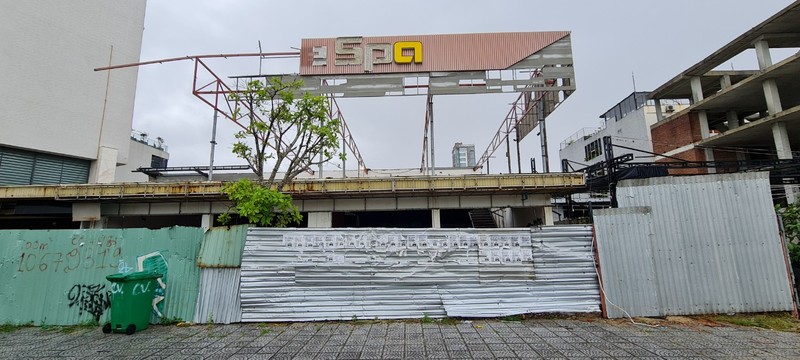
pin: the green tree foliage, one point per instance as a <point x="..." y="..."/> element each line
<point x="295" y="132"/>
<point x="791" y="227"/>
<point x="292" y="132"/>
<point x="260" y="204"/>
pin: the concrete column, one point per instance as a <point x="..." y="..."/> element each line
<point x="89" y="216"/>
<point x="95" y="224"/>
<point x="206" y="221"/>
<point x="322" y="219"/>
<point x="710" y="157"/>
<point x="436" y="218"/>
<point x="781" y="137"/>
<point x="725" y="82"/>
<point x="770" y="87"/>
<point x="103" y="170"/>
<point x="763" y="55"/>
<point x="705" y="132"/>
<point x="772" y="96"/>
<point x="697" y="89"/>
<point x="697" y="95"/>
<point x="784" y="149"/>
<point x="659" y="113"/>
<point x="548" y="215"/>
<point x="733" y="120"/>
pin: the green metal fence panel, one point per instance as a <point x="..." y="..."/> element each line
<point x="222" y="247"/>
<point x="57" y="277"/>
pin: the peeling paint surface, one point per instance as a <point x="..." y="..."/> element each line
<point x="341" y="274"/>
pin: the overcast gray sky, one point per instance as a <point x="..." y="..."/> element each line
<point x="655" y="40"/>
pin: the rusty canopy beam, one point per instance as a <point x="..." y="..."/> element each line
<point x="276" y="55"/>
<point x="521" y="108"/>
<point x="217" y="87"/>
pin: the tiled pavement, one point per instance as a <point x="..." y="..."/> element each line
<point x="483" y="339"/>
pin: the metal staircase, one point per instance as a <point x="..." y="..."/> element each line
<point x="482" y="219"/>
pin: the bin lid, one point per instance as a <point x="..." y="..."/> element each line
<point x="141" y="275"/>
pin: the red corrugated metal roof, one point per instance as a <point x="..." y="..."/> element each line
<point x="455" y="52"/>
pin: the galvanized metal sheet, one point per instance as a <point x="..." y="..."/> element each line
<point x="715" y="244"/>
<point x="222" y="247"/>
<point x="58" y="276"/>
<point x="624" y="247"/>
<point x="218" y="297"/>
<point x="340" y="274"/>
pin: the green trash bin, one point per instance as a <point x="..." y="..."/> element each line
<point x="131" y="301"/>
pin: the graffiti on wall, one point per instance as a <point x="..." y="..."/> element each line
<point x="157" y="263"/>
<point x="83" y="254"/>
<point x="93" y="299"/>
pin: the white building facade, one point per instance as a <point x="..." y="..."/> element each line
<point x="65" y="122"/>
<point x="628" y="124"/>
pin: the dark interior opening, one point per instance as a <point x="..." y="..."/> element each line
<point x="398" y="219"/>
<point x="455" y="218"/>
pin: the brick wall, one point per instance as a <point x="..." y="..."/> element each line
<point x="725" y="156"/>
<point x="694" y="154"/>
<point x="680" y="131"/>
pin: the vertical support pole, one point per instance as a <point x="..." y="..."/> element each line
<point x="519" y="160"/>
<point x="319" y="167"/>
<point x="344" y="159"/>
<point x="543" y="135"/>
<point x="508" y="150"/>
<point x="608" y="148"/>
<point x="213" y="146"/>
<point x="432" y="138"/>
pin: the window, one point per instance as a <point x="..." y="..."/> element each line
<point x="158" y="162"/>
<point x="593" y="149"/>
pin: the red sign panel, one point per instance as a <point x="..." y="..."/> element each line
<point x="420" y="53"/>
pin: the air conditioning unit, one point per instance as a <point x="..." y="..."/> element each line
<point x="670" y="108"/>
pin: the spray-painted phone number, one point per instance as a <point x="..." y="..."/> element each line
<point x="102" y="254"/>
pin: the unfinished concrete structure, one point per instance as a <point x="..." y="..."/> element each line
<point x="736" y="115"/>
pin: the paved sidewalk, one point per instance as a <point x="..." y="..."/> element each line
<point x="483" y="339"/>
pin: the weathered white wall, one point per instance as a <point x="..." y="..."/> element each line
<point x="57" y="100"/>
<point x="633" y="131"/>
<point x="140" y="155"/>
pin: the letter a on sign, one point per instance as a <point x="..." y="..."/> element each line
<point x="414" y="46"/>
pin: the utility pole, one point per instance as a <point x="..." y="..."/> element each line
<point x="213" y="146"/>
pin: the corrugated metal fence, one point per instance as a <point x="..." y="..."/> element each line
<point x="57" y="277"/>
<point x="693" y="245"/>
<point x="220" y="259"/>
<point x="342" y="274"/>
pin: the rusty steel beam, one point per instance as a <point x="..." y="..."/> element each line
<point x="347" y="136"/>
<point x="274" y="55"/>
<point x="519" y="110"/>
<point x="424" y="164"/>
